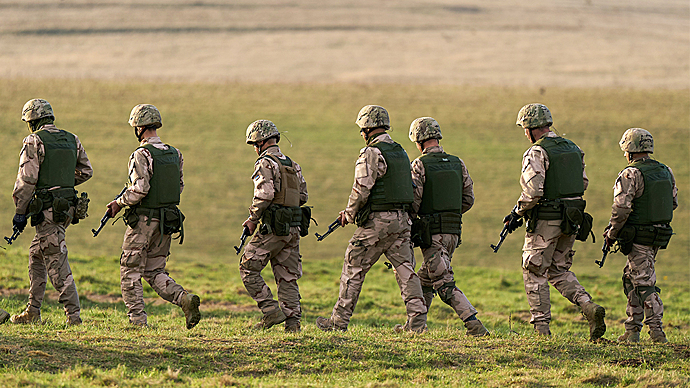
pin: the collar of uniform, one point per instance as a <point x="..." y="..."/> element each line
<point x="49" y="127"/>
<point x="151" y="140"/>
<point x="550" y="134"/>
<point x="431" y="149"/>
<point x="273" y="150"/>
<point x="384" y="137"/>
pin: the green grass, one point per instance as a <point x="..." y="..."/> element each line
<point x="207" y="123"/>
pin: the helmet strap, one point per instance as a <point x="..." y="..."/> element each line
<point x="531" y="135"/>
<point x="35" y="125"/>
<point x="139" y="133"/>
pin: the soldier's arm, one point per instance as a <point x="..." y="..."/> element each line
<point x="629" y="185"/>
<point x="30" y="159"/>
<point x="83" y="172"/>
<point x="181" y="173"/>
<point x="369" y="166"/>
<point x="140" y="172"/>
<point x="303" y="195"/>
<point x="584" y="174"/>
<point x="534" y="165"/>
<point x="418" y="179"/>
<point x="264" y="188"/>
<point x="467" y="189"/>
<point x="675" y="189"/>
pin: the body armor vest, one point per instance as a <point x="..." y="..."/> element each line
<point x="165" y="182"/>
<point x="564" y="176"/>
<point x="442" y="185"/>
<point x="60" y="161"/>
<point x="393" y="190"/>
<point x="288" y="195"/>
<point x="655" y="205"/>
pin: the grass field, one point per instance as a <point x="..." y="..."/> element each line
<point x="207" y="123"/>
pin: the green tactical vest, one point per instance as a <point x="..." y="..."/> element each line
<point x="289" y="182"/>
<point x="60" y="159"/>
<point x="394" y="189"/>
<point x="655" y="205"/>
<point x="443" y="183"/>
<point x="564" y="176"/>
<point x="165" y="181"/>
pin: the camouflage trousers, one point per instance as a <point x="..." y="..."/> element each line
<point x="286" y="262"/>
<point x="384" y="233"/>
<point x="48" y="259"/>
<point x="639" y="272"/>
<point x="546" y="258"/>
<point x="144" y="254"/>
<point x="436" y="275"/>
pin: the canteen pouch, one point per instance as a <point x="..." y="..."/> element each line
<point x="35" y="211"/>
<point x="282" y="217"/>
<point x="421" y="232"/>
<point x="362" y="215"/>
<point x="131" y="217"/>
<point x="586" y="228"/>
<point x="625" y="239"/>
<point x="60" y="210"/>
<point x="173" y="220"/>
<point x="305" y="221"/>
<point x="572" y="220"/>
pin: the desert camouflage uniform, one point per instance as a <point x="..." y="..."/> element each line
<point x="144" y="253"/>
<point x="547" y="254"/>
<point x="639" y="269"/>
<point x="436" y="270"/>
<point x="48" y="251"/>
<point x="386" y="232"/>
<point x="281" y="251"/>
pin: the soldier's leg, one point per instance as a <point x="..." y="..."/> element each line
<point x="425" y="276"/>
<point x="287" y="269"/>
<point x="634" y="308"/>
<point x="536" y="259"/>
<point x="256" y="256"/>
<point x="641" y="262"/>
<point x="561" y="277"/>
<point x="38" y="276"/>
<point x="154" y="267"/>
<point x="132" y="264"/>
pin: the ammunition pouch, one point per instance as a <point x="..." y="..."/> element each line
<point x="61" y="200"/>
<point x="278" y="219"/>
<point x="586" y="228"/>
<point x="571" y="212"/>
<point x="362" y="215"/>
<point x="170" y="219"/>
<point x="421" y="232"/>
<point x="305" y="221"/>
<point x="653" y="235"/>
<point x="625" y="239"/>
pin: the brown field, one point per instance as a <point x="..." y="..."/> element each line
<point x="588" y="43"/>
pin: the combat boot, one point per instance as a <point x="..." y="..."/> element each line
<point x="27" y="316"/>
<point x="630" y="336"/>
<point x="4" y="316"/>
<point x="657" y="335"/>
<point x="73" y="320"/>
<point x="328" y="324"/>
<point x="292" y="325"/>
<point x="542" y="329"/>
<point x="475" y="328"/>
<point x="190" y="306"/>
<point x="270" y="320"/>
<point x="595" y="316"/>
<point x="415" y="325"/>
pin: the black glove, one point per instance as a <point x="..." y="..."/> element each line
<point x="19" y="222"/>
<point x="513" y="220"/>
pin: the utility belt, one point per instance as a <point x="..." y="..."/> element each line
<point x="437" y="223"/>
<point x="575" y="221"/>
<point x="61" y="200"/>
<point x="278" y="219"/>
<point x="657" y="235"/>
<point x="171" y="219"/>
<point x="362" y="215"/>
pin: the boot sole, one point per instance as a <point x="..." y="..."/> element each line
<point x="196" y="315"/>
<point x="599" y="324"/>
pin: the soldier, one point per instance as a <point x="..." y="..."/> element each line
<point x="52" y="162"/>
<point x="279" y="192"/>
<point x="379" y="203"/>
<point x="644" y="198"/>
<point x="443" y="191"/>
<point x="553" y="181"/>
<point x="153" y="193"/>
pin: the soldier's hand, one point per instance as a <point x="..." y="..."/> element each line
<point x="609" y="241"/>
<point x="249" y="225"/>
<point x="513" y="221"/>
<point x="342" y="219"/>
<point x="113" y="208"/>
<point x="19" y="222"/>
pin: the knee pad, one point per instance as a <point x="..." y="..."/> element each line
<point x="645" y="292"/>
<point x="445" y="292"/>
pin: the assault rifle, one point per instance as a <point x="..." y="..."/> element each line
<point x="243" y="239"/>
<point x="605" y="249"/>
<point x="333" y="226"/>
<point x="107" y="215"/>
<point x="504" y="234"/>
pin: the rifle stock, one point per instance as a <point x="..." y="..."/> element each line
<point x="107" y="216"/>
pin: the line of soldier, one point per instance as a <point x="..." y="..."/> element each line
<point x="395" y="204"/>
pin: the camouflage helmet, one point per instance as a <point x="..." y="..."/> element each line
<point x="373" y="116"/>
<point x="36" y="109"/>
<point x="424" y="128"/>
<point x="145" y="114"/>
<point x="637" y="140"/>
<point x="534" y="116"/>
<point x="261" y="130"/>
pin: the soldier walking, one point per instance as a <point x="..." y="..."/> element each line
<point x="52" y="162"/>
<point x="379" y="203"/>
<point x="644" y="198"/>
<point x="153" y="193"/>
<point x="443" y="191"/>
<point x="279" y="192"/>
<point x="553" y="181"/>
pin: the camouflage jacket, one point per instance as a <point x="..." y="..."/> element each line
<point x="419" y="177"/>
<point x="266" y="179"/>
<point x="30" y="159"/>
<point x="630" y="185"/>
<point x="535" y="162"/>
<point x="369" y="167"/>
<point x="140" y="171"/>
